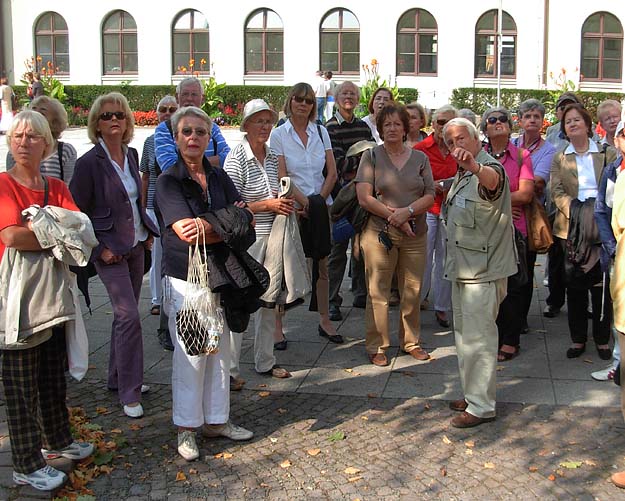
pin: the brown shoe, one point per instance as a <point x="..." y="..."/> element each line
<point x="236" y="383"/>
<point x="466" y="420"/>
<point x="378" y="359"/>
<point x="618" y="479"/>
<point x="419" y="354"/>
<point x="458" y="405"/>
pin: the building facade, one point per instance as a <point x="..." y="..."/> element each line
<point x="432" y="47"/>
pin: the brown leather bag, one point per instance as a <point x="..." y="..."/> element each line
<point x="539" y="236"/>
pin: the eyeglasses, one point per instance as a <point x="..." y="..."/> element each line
<point x="108" y="115"/>
<point x="441" y="121"/>
<point x="501" y="118"/>
<point x="199" y="131"/>
<point x="385" y="239"/>
<point x="18" y="137"/>
<point x="261" y="122"/>
<point x="167" y="109"/>
<point x="300" y="99"/>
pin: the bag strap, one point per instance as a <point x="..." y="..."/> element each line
<point x="59" y="152"/>
<point x="45" y="190"/>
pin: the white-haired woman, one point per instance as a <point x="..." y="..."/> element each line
<point x="34" y="374"/>
<point x="184" y="194"/>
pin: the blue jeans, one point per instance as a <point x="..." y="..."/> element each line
<point x="321" y="106"/>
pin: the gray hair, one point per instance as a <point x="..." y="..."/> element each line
<point x="446" y="108"/>
<point x="188" y="81"/>
<point x="606" y="105"/>
<point x="529" y="105"/>
<point x="490" y="111"/>
<point x="468" y="114"/>
<point x="461" y="122"/>
<point x="190" y="111"/>
<point x="39" y="125"/>
<point x="347" y="83"/>
<point x="166" y="99"/>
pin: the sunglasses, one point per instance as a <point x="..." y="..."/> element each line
<point x="501" y="118"/>
<point x="167" y="109"/>
<point x="307" y="100"/>
<point x="199" y="131"/>
<point x="385" y="239"/>
<point x="441" y="122"/>
<point x="108" y="115"/>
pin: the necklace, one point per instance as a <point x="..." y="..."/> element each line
<point x="582" y="152"/>
<point x="496" y="156"/>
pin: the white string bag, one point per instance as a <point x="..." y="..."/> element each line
<point x="200" y="321"/>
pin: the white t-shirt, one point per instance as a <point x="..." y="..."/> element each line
<point x="585" y="171"/>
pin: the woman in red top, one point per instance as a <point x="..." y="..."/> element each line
<point x="496" y="126"/>
<point x="33" y="372"/>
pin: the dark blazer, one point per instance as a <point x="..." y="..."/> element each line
<point x="99" y="192"/>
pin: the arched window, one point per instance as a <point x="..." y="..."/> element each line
<point x="340" y="42"/>
<point x="119" y="43"/>
<point x="52" y="43"/>
<point x="486" y="45"/>
<point x="264" y="43"/>
<point x="417" y="43"/>
<point x="190" y="43"/>
<point x="602" y="48"/>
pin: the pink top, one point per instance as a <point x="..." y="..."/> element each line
<point x="516" y="172"/>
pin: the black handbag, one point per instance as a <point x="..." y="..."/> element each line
<point x="520" y="278"/>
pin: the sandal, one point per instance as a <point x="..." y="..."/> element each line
<point x="504" y="356"/>
<point x="277" y="372"/>
<point x="155" y="310"/>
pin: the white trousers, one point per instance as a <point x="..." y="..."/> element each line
<point x="264" y="325"/>
<point x="156" y="288"/>
<point x="200" y="385"/>
<point x="435" y="258"/>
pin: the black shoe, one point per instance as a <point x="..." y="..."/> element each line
<point x="360" y="302"/>
<point x="576" y="352"/>
<point x="165" y="340"/>
<point x="335" y="313"/>
<point x="280" y="345"/>
<point x="604" y="353"/>
<point x="336" y="338"/>
<point x="551" y="312"/>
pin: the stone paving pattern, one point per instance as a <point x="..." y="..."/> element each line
<point x="397" y="444"/>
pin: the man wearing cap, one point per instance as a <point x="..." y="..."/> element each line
<point x="617" y="283"/>
<point x="189" y="92"/>
<point x="345" y="130"/>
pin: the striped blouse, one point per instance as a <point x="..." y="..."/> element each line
<point x="255" y="182"/>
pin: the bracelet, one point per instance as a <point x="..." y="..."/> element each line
<point x="479" y="168"/>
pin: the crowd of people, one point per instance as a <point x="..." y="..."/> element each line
<point x="227" y="235"/>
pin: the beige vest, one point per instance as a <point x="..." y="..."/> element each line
<point x="480" y="234"/>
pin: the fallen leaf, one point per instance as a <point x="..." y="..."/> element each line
<point x="500" y="368"/>
<point x="263" y="394"/>
<point x="92" y="427"/>
<point x="180" y="476"/>
<point x="350" y="470"/>
<point x="560" y="473"/>
<point x="135" y="427"/>
<point x="372" y="395"/>
<point x="490" y="466"/>
<point x="470" y="443"/>
<point x="364" y="418"/>
<point x="571" y="465"/>
<point x="590" y="462"/>
<point x="192" y="471"/>
<point x="116" y="430"/>
<point x="101" y="458"/>
<point x="165" y="447"/>
<point x="313" y="452"/>
<point x="469" y="452"/>
<point x="282" y="411"/>
<point x="219" y="455"/>
<point x="263" y="484"/>
<point x="533" y="469"/>
<point x="273" y="440"/>
<point x="588" y="361"/>
<point x="227" y="455"/>
<point x="92" y="367"/>
<point x="354" y="479"/>
<point x="540" y="331"/>
<point x="444" y="471"/>
<point x="552" y="477"/>
<point x="427" y="406"/>
<point x="446" y="440"/>
<point x="336" y="436"/>
<point x="349" y="370"/>
<point x="543" y="452"/>
<point x="101" y="410"/>
<point x="285" y="464"/>
<point x="106" y="469"/>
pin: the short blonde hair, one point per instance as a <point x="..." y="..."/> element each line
<point x="57" y="116"/>
<point x="39" y="125"/>
<point x="96" y="110"/>
<point x="301" y="89"/>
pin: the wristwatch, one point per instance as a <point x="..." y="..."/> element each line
<point x="411" y="211"/>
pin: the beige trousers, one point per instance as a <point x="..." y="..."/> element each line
<point x="407" y="259"/>
<point x="475" y="308"/>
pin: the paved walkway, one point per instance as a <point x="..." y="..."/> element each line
<point x="344" y="429"/>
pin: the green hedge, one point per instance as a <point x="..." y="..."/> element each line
<point x="480" y="99"/>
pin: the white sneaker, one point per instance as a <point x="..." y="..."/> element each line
<point x="44" y="479"/>
<point x="606" y="374"/>
<point x="229" y="430"/>
<point x="74" y="451"/>
<point x="133" y="412"/>
<point x="187" y="446"/>
<point x="145" y="388"/>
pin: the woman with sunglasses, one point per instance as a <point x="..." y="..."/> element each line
<point x="394" y="183"/>
<point x="150" y="170"/>
<point x="106" y="186"/>
<point x="575" y="175"/>
<point x="305" y="155"/>
<point x="184" y="194"/>
<point x="496" y="127"/>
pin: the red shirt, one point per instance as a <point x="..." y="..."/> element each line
<point x="443" y="167"/>
<point x="14" y="198"/>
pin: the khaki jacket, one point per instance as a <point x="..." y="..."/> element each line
<point x="480" y="233"/>
<point x="565" y="184"/>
